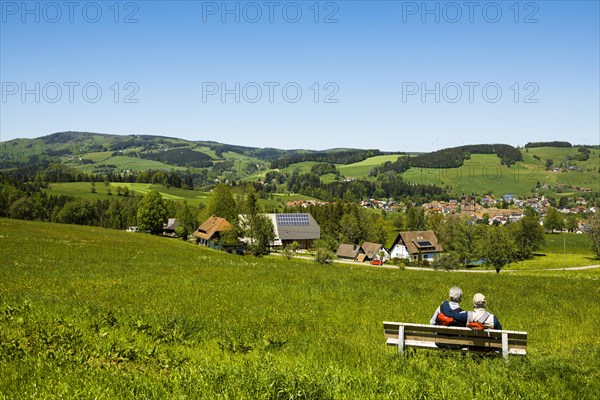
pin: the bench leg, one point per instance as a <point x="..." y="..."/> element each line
<point x="505" y="346"/>
<point x="401" y="339"/>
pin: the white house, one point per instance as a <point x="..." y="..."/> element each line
<point x="412" y="244"/>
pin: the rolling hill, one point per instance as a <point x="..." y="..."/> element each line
<point x="479" y="169"/>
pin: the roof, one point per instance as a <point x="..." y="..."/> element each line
<point x="347" y="251"/>
<point x="172" y="224"/>
<point x="419" y="241"/>
<point x="295" y="226"/>
<point x="212" y="226"/>
<point x="371" y="249"/>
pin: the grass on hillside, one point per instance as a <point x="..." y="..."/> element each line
<point x="94" y="313"/>
<point x="554" y="260"/>
<point x="361" y="169"/>
<point x="481" y="174"/>
<point x="84" y="190"/>
<point x="570" y="243"/>
<point x="125" y="163"/>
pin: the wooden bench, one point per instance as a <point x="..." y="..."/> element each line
<point x="488" y="341"/>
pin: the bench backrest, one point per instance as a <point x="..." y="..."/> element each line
<point x="420" y="335"/>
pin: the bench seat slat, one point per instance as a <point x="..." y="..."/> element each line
<point x="431" y="345"/>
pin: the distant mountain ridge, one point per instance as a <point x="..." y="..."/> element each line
<point x="22" y="152"/>
<point x="204" y="153"/>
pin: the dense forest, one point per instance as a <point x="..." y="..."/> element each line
<point x="182" y="157"/>
<point x="336" y="157"/>
<point x="454" y="157"/>
<point x="531" y="145"/>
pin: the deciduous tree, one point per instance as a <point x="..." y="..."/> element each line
<point x="499" y="248"/>
<point x="222" y="204"/>
<point x="528" y="234"/>
<point x="152" y="213"/>
<point x="415" y="219"/>
<point x="593" y="232"/>
<point x="553" y="220"/>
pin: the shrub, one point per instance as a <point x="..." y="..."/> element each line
<point x="448" y="261"/>
<point x="324" y="256"/>
<point x="290" y="251"/>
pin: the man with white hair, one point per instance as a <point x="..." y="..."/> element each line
<point x="449" y="313"/>
<point x="479" y="314"/>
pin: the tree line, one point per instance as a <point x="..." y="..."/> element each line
<point x="532" y="145"/>
<point x="336" y="157"/>
<point x="454" y="157"/>
<point x="386" y="186"/>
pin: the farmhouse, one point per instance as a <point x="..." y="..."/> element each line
<point x="372" y="251"/>
<point x="412" y="244"/>
<point x="170" y="227"/>
<point x="294" y="227"/>
<point x="347" y="251"/>
<point x="211" y="230"/>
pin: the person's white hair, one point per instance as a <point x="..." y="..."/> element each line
<point x="455" y="294"/>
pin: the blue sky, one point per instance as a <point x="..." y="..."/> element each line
<point x="392" y="75"/>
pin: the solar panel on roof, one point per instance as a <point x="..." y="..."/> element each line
<point x="292" y="219"/>
<point x="424" y="243"/>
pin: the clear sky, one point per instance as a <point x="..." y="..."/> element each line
<point x="391" y="75"/>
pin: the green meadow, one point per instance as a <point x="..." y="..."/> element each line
<point x="122" y="163"/>
<point x="194" y="197"/>
<point x="482" y="174"/>
<point x="561" y="250"/>
<point x="94" y="313"/>
<point x="361" y="169"/>
<point x="84" y="190"/>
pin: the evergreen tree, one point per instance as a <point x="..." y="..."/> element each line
<point x="350" y="230"/>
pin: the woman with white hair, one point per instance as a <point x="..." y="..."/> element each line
<point x="449" y="313"/>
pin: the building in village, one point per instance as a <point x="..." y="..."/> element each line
<point x="413" y="245"/>
<point x="210" y="232"/>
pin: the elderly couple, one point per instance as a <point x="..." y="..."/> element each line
<point x="449" y="313"/>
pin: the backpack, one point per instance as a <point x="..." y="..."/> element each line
<point x="479" y="325"/>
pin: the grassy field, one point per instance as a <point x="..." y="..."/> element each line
<point x="124" y="163"/>
<point x="570" y="243"/>
<point x="83" y="190"/>
<point x="481" y="174"/>
<point x="361" y="169"/>
<point x="562" y="250"/>
<point x="555" y="260"/>
<point x="93" y="313"/>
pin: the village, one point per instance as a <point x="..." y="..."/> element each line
<point x="299" y="230"/>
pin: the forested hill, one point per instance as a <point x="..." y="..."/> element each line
<point x="172" y="151"/>
<point x="454" y="157"/>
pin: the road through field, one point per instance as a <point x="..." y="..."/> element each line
<point x="350" y="262"/>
